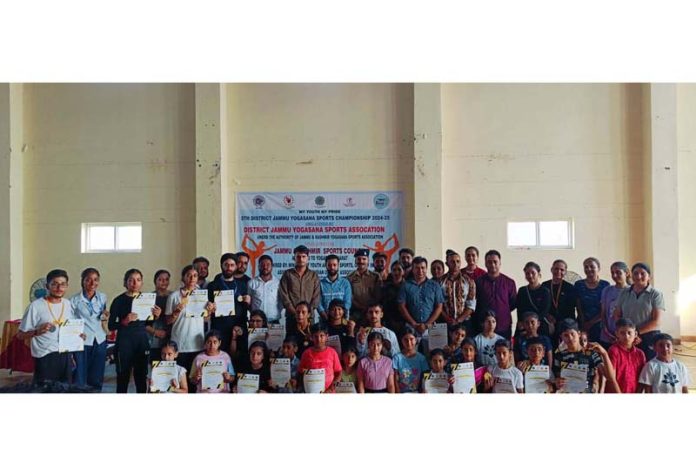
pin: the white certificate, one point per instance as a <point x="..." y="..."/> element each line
<point x="163" y="372"/>
<point x="314" y="381"/>
<point x="576" y="378"/>
<point x="257" y="334"/>
<point x="437" y="336"/>
<point x="345" y="387"/>
<point x="212" y="371"/>
<point x="195" y="306"/>
<point x="224" y="302"/>
<point x="464" y="378"/>
<point x="142" y="306"/>
<point x="276" y="335"/>
<point x="436" y="382"/>
<point x="280" y="372"/>
<point x="247" y="383"/>
<point x="69" y="339"/>
<point x="535" y="379"/>
<point x="335" y="343"/>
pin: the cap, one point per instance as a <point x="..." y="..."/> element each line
<point x="362" y="252"/>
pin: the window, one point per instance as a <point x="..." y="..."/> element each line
<point x="112" y="237"/>
<point x="557" y="234"/>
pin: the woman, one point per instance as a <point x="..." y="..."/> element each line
<point x="622" y="279"/>
<point x="471" y="269"/>
<point x="157" y="329"/>
<point x="563" y="299"/>
<point x="390" y="295"/>
<point x="534" y="297"/>
<point x="589" y="294"/>
<point x="644" y="305"/>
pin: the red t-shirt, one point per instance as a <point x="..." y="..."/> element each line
<point x="326" y="359"/>
<point x="475" y="274"/>
<point x="628" y="364"/>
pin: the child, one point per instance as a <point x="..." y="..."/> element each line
<point x="437" y="366"/>
<point x="350" y="365"/>
<point x="213" y="353"/>
<point x="574" y="353"/>
<point x="628" y="360"/>
<point x="530" y="325"/>
<point x="485" y="342"/>
<point x="319" y="356"/>
<point x="409" y="365"/>
<point x="374" y="316"/>
<point x="239" y="343"/>
<point x="339" y="325"/>
<point x="506" y="378"/>
<point x="301" y="327"/>
<point x="289" y="351"/>
<point x="536" y="355"/>
<point x="257" y="364"/>
<point x="375" y="372"/>
<point x="457" y="334"/>
<point x="169" y="352"/>
<point x="663" y="374"/>
<point x="468" y="354"/>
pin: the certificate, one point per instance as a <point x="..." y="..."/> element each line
<point x="576" y="378"/>
<point x="464" y="378"/>
<point x="69" y="338"/>
<point x="163" y="372"/>
<point x="280" y="372"/>
<point x="224" y="303"/>
<point x="276" y="335"/>
<point x="257" y="334"/>
<point x="437" y="336"/>
<point x="314" y="381"/>
<point x="435" y="382"/>
<point x="142" y="306"/>
<point x="247" y="383"/>
<point x="335" y="343"/>
<point x="345" y="387"/>
<point x="195" y="306"/>
<point x="212" y="378"/>
<point x="535" y="379"/>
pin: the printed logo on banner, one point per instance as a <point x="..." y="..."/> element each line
<point x="349" y="202"/>
<point x="288" y="201"/>
<point x="319" y="201"/>
<point x="259" y="201"/>
<point x="381" y="201"/>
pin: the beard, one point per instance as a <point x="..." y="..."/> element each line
<point x="227" y="275"/>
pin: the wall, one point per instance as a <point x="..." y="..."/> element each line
<point x="544" y="151"/>
<point x="108" y="152"/>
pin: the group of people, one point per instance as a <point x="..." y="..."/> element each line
<point x="368" y="331"/>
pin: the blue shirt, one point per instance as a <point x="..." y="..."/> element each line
<point x="421" y="299"/>
<point x="409" y="371"/>
<point x="339" y="289"/>
<point x="590" y="299"/>
<point x="90" y="311"/>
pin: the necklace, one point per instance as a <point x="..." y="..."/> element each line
<point x="555" y="298"/>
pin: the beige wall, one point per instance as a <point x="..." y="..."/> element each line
<point x="544" y="151"/>
<point x="108" y="152"/>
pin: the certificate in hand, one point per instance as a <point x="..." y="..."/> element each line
<point x="211" y="377"/>
<point x="142" y="306"/>
<point x="576" y="378"/>
<point x="257" y="334"/>
<point x="276" y="335"/>
<point x="345" y="387"/>
<point x="247" y="383"/>
<point x="535" y="379"/>
<point x="163" y="372"/>
<point x="69" y="338"/>
<point x="436" y="382"/>
<point x="224" y="302"/>
<point x="280" y="372"/>
<point x="464" y="378"/>
<point x="314" y="381"/>
<point x="437" y="336"/>
<point x="335" y="343"/>
<point x="195" y="306"/>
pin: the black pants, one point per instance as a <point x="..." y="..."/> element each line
<point x="54" y="367"/>
<point x="132" y="355"/>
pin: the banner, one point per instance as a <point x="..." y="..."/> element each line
<point x="325" y="222"/>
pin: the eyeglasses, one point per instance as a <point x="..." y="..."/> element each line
<point x="54" y="284"/>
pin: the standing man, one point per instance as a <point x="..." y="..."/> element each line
<point x="497" y="292"/>
<point x="225" y="281"/>
<point x="459" y="292"/>
<point x="263" y="290"/>
<point x="379" y="264"/>
<point x="299" y="284"/>
<point x="334" y="287"/>
<point x="420" y="300"/>
<point x="366" y="286"/>
<point x="201" y="265"/>
<point x="242" y="264"/>
<point x="406" y="259"/>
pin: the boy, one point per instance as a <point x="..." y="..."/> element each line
<point x="536" y="351"/>
<point x="437" y="367"/>
<point x="628" y="360"/>
<point x="319" y="356"/>
<point x="530" y="324"/>
<point x="409" y="365"/>
<point x="506" y="378"/>
<point x="663" y="374"/>
<point x="375" y="313"/>
<point x="289" y="351"/>
<point x="578" y="360"/>
<point x="40" y="322"/>
<point x="485" y="342"/>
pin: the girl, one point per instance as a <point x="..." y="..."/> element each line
<point x="437" y="366"/>
<point x="339" y="326"/>
<point x="375" y="372"/>
<point x="534" y="297"/>
<point x="258" y="364"/>
<point x="409" y="365"/>
<point x="589" y="294"/>
<point x="169" y="352"/>
<point x="213" y="353"/>
<point x="437" y="270"/>
<point x="506" y="378"/>
<point x="621" y="278"/>
<point x="390" y="296"/>
<point x="471" y="255"/>
<point x="239" y="344"/>
<point x="485" y="342"/>
<point x="301" y="330"/>
<point x="157" y="329"/>
<point x="132" y="347"/>
<point x="457" y="334"/>
<point x="468" y="354"/>
<point x="90" y="306"/>
<point x="349" y="359"/>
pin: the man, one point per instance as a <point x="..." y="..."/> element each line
<point x="263" y="290"/>
<point x="365" y="284"/>
<point x="497" y="292"/>
<point x="379" y="264"/>
<point x="459" y="292"/>
<point x="420" y="300"/>
<point x="406" y="259"/>
<point x="333" y="287"/>
<point x="225" y="281"/>
<point x="375" y="313"/>
<point x="202" y="264"/>
<point x="242" y="264"/>
<point x="299" y="284"/>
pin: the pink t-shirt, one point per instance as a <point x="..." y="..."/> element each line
<point x="326" y="359"/>
<point x="628" y="364"/>
<point x="198" y="363"/>
<point x="375" y="373"/>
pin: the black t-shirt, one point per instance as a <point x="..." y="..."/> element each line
<point x="121" y="306"/>
<point x="563" y="300"/>
<point x="264" y="374"/>
<point x="533" y="300"/>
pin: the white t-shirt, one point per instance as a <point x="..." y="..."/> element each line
<point x="187" y="332"/>
<point x="664" y="377"/>
<point x="506" y="380"/>
<point x="485" y="348"/>
<point x="38" y="313"/>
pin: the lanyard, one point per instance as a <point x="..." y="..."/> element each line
<point x="58" y="321"/>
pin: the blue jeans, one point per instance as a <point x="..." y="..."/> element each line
<point x="90" y="363"/>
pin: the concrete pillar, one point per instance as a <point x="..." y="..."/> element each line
<point x="427" y="128"/>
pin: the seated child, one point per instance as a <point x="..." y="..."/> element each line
<point x="320" y="356"/>
<point x="505" y="377"/>
<point x="530" y="326"/>
<point x="627" y="358"/>
<point x="536" y="351"/>
<point x="410" y="364"/>
<point x="574" y="353"/>
<point x="169" y="352"/>
<point x="212" y="352"/>
<point x="457" y="334"/>
<point x="485" y="342"/>
<point x="664" y="374"/>
<point x="375" y="372"/>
